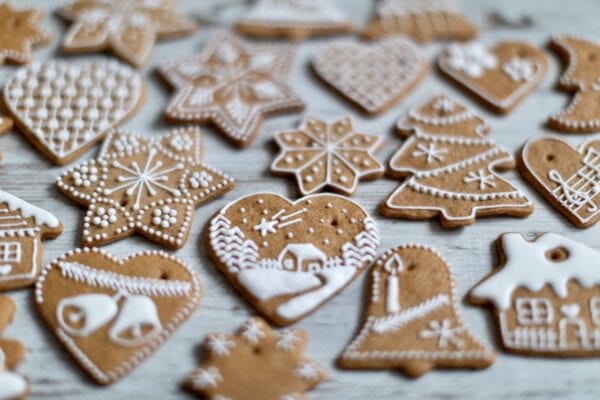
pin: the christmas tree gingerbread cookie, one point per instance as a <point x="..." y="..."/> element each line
<point x="545" y="295"/>
<point x="373" y="76"/>
<point x="411" y="321"/>
<point x="146" y="186"/>
<point x="450" y="169"/>
<point x="327" y="155"/>
<point x="423" y="20"/>
<point x="12" y="385"/>
<point x="233" y="84"/>
<point x="111" y="314"/>
<point x="500" y="76"/>
<point x="582" y="59"/>
<point x="128" y="28"/>
<point x="255" y="364"/>
<point x="293" y="19"/>
<point x="289" y="257"/>
<point x="19" y="31"/>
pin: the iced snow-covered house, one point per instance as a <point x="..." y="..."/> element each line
<point x="546" y="296"/>
<point x="304" y="257"/>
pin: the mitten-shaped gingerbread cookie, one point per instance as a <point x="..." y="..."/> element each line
<point x="411" y="321"/>
<point x="12" y="385"/>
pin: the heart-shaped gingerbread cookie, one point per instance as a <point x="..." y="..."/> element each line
<point x="287" y="258"/>
<point x="111" y="314"/>
<point x="568" y="178"/>
<point x="500" y="77"/>
<point x="63" y="109"/>
<point x="374" y="76"/>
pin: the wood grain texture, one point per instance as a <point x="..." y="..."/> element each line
<point x="470" y="251"/>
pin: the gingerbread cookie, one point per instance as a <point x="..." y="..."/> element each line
<point x="232" y="84"/>
<point x="145" y="186"/>
<point x="293" y="19"/>
<point x="255" y="364"/>
<point x="111" y="314"/>
<point x="545" y="295"/>
<point x="374" y="76"/>
<point x="128" y="28"/>
<point x="423" y="20"/>
<point x="287" y="258"/>
<point x="12" y="385"/>
<point x="64" y="109"/>
<point x="412" y="322"/>
<point x="565" y="176"/>
<point x="500" y="76"/>
<point x="581" y="77"/>
<point x="22" y="228"/>
<point x="450" y="169"/>
<point x="20" y="30"/>
<point x="327" y="155"/>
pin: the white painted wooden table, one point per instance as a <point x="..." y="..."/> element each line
<point x="27" y="174"/>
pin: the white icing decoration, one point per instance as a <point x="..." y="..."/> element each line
<point x="392" y="267"/>
<point x="253" y="331"/>
<point x="287" y="339"/>
<point x="430" y="152"/>
<point x="41" y="217"/>
<point x="279" y="220"/>
<point x="264" y="284"/>
<point x="444" y="105"/>
<point x="164" y="216"/>
<point x="85" y="176"/>
<point x="445" y="334"/>
<point x="398" y="8"/>
<point x="481" y="178"/>
<point x="200" y="179"/>
<point x="104" y="217"/>
<point x="308" y="371"/>
<point x="181" y="142"/>
<point x="206" y="378"/>
<point x="520" y="69"/>
<point x="218" y="344"/>
<point x="12" y="386"/>
<point x="395" y="321"/>
<point x="284" y="13"/>
<point x="472" y="59"/>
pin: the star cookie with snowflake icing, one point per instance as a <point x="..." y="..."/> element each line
<point x="232" y="84"/>
<point x="19" y="32"/>
<point x="128" y="28"/>
<point x="255" y="363"/>
<point x="145" y="186"/>
<point x="330" y="155"/>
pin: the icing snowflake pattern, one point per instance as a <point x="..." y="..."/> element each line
<point x="445" y="334"/>
<point x="288" y="339"/>
<point x="181" y="142"/>
<point x="472" y="59"/>
<point x="253" y="331"/>
<point x="481" y="178"/>
<point x="430" y="152"/>
<point x="147" y="187"/>
<point x="233" y="84"/>
<point x="218" y="344"/>
<point x="128" y="28"/>
<point x="519" y="69"/>
<point x="322" y="154"/>
<point x="104" y="217"/>
<point x="204" y="378"/>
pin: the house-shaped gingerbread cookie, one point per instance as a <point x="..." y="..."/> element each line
<point x="22" y="228"/>
<point x="546" y="296"/>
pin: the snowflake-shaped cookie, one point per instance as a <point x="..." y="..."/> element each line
<point x="144" y="188"/>
<point x="19" y="31"/>
<point x="250" y="362"/>
<point x="128" y="28"/>
<point x="330" y="155"/>
<point x="232" y="84"/>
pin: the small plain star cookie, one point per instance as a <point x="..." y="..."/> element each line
<point x="327" y="155"/>
<point x="19" y="31"/>
<point x="256" y="363"/>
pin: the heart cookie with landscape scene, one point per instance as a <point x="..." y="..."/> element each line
<point x="112" y="314"/>
<point x="287" y="258"/>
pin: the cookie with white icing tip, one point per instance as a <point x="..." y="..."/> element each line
<point x="581" y="57"/>
<point x="111" y="314"/>
<point x="411" y="321"/>
<point x="12" y="385"/>
<point x="327" y="155"/>
<point x="22" y="228"/>
<point x="287" y="257"/>
<point x="422" y="20"/>
<point x="232" y="84"/>
<point x="20" y="30"/>
<point x="545" y="295"/>
<point x="500" y="76"/>
<point x="374" y="76"/>
<point x="142" y="185"/>
<point x="450" y="169"/>
<point x="127" y="28"/>
<point x="256" y="363"/>
<point x="63" y="109"/>
<point x="567" y="177"/>
<point x="293" y="19"/>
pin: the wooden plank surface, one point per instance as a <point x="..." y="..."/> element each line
<point x="25" y="173"/>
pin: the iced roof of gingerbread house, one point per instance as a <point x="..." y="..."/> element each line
<point x="27" y="210"/>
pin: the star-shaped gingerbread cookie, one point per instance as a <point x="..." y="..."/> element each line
<point x="330" y="155"/>
<point x="255" y="363"/>
<point x="232" y="84"/>
<point x="19" y="32"/>
<point x="146" y="186"/>
<point x="128" y="28"/>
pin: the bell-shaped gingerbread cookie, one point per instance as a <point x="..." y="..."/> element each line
<point x="411" y="321"/>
